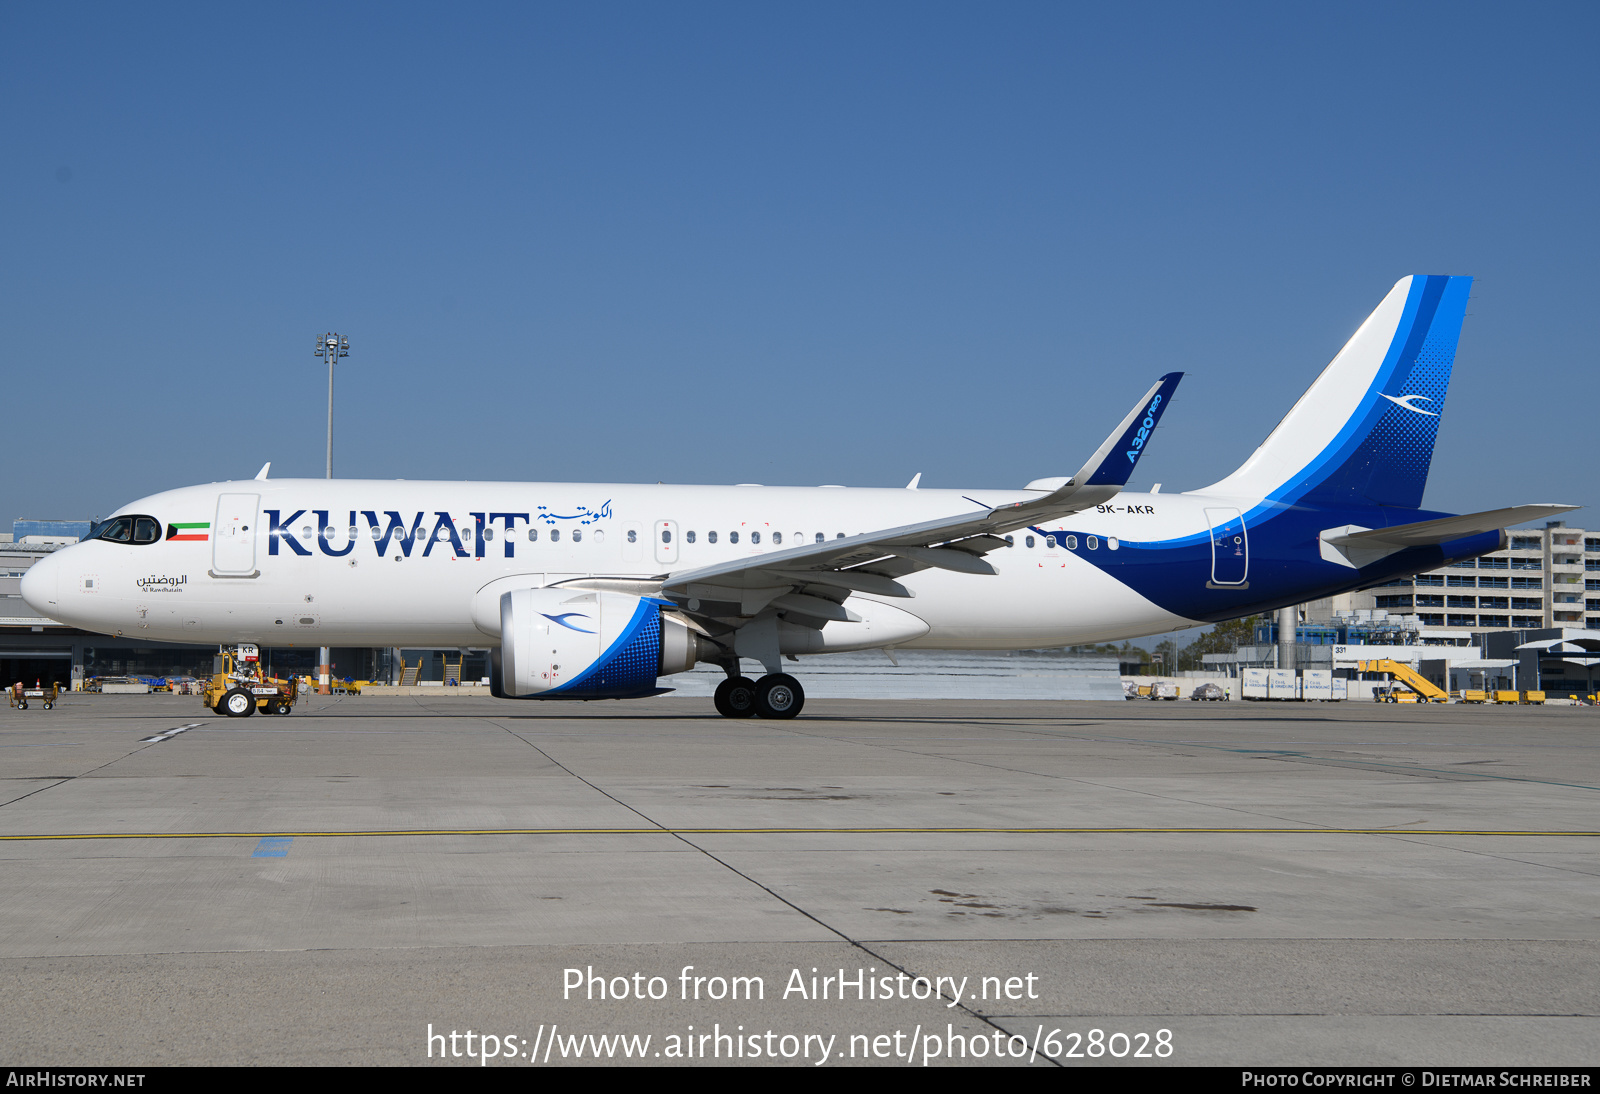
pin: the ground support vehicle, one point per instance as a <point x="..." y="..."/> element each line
<point x="1422" y="690"/>
<point x="18" y="694"/>
<point x="241" y="687"/>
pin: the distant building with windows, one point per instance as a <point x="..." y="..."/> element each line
<point x="1544" y="585"/>
<point x="1545" y="578"/>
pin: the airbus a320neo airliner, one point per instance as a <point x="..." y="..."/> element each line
<point x="596" y="591"/>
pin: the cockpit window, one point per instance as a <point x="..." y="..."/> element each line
<point x="119" y="530"/>
<point x="133" y="529"/>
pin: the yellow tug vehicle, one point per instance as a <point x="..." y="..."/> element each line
<point x="241" y="686"/>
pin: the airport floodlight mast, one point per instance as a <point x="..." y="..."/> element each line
<point x="332" y="347"/>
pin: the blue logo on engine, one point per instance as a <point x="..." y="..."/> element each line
<point x="562" y="619"/>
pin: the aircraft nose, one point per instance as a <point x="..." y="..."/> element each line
<point x="39" y="585"/>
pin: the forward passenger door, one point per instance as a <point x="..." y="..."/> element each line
<point x="233" y="535"/>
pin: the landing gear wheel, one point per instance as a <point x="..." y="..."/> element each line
<point x="238" y="703"/>
<point x="279" y="708"/>
<point x="736" y="697"/>
<point x="779" y="695"/>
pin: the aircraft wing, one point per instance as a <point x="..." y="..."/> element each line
<point x="808" y="585"/>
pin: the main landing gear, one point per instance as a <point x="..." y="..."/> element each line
<point x="776" y="695"/>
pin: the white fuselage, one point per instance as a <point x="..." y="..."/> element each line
<point x="273" y="577"/>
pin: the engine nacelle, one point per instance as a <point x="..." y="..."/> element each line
<point x="561" y="643"/>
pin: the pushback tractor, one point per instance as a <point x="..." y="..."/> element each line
<point x="242" y="687"/>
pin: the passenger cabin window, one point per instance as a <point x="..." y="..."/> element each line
<point x="1094" y="544"/>
<point x="755" y="537"/>
<point x="1050" y="542"/>
<point x="1072" y="543"/>
<point x="687" y="535"/>
<point x="777" y="537"/>
<point x="533" y="534"/>
<point x="555" y="535"/>
<point x="711" y="537"/>
<point x="1027" y="541"/>
<point x="633" y="536"/>
<point x="577" y="535"/>
<point x="733" y="537"/>
<point x="819" y="537"/>
<point x="666" y="535"/>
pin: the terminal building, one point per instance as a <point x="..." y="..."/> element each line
<point x="1549" y="578"/>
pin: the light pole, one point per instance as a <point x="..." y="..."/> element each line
<point x="332" y="347"/>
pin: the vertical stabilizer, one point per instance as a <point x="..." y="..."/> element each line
<point x="1363" y="433"/>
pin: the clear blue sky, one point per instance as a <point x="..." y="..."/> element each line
<point x="792" y="244"/>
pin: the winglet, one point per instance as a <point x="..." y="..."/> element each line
<point x="1114" y="461"/>
<point x="262" y="474"/>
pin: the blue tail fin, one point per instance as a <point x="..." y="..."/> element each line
<point x="1363" y="433"/>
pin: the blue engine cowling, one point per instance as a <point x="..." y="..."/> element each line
<point x="558" y="643"/>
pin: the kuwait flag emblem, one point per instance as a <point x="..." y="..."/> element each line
<point x="200" y="531"/>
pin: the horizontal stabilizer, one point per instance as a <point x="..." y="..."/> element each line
<point x="1352" y="545"/>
